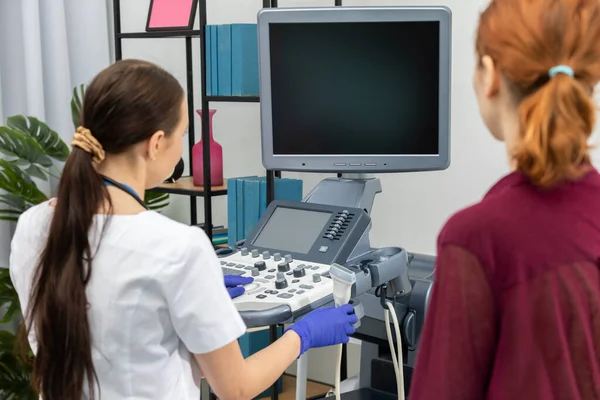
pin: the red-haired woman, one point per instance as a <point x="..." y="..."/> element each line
<point x="515" y="310"/>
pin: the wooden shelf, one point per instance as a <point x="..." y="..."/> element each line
<point x="185" y="186"/>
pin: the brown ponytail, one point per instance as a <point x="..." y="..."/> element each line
<point x="124" y="105"/>
<point x="63" y="364"/>
<point x="526" y="39"/>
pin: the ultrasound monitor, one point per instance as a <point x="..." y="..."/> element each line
<point x="355" y="89"/>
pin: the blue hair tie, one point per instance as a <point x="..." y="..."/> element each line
<point x="561" y="69"/>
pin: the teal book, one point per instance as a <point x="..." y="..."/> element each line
<point x="288" y="189"/>
<point x="214" y="60"/>
<point x="239" y="208"/>
<point x="285" y="189"/>
<point x="244" y="60"/>
<point x="262" y="199"/>
<point x="232" y="232"/>
<point x="247" y="202"/>
<point x="208" y="54"/>
<point x="235" y="209"/>
<point x="224" y="56"/>
<point x="251" y="204"/>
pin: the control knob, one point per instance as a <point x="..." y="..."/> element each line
<point x="260" y="265"/>
<point x="283" y="266"/>
<point x="288" y="258"/>
<point x="280" y="282"/>
<point x="244" y="251"/>
<point x="299" y="272"/>
<point x="316" y="278"/>
<point x="276" y="256"/>
<point x="254" y="253"/>
<point x="266" y="255"/>
<point x="254" y="271"/>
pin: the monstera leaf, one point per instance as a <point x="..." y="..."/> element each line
<point x="9" y="302"/>
<point x="156" y="201"/>
<point x="15" y="380"/>
<point x="19" y="192"/>
<point x="24" y="151"/>
<point x="76" y="105"/>
<point x="48" y="140"/>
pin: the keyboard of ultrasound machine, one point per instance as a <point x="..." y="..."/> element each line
<point x="242" y="268"/>
<point x="278" y="280"/>
<point x="231" y="271"/>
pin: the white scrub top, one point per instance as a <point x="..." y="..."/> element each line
<point x="156" y="294"/>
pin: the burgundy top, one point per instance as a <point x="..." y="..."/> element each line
<point x="515" y="308"/>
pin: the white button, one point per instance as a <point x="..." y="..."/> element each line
<point x="251" y="286"/>
<point x="323" y="249"/>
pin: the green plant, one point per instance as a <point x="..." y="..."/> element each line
<point x="31" y="149"/>
<point x="31" y="152"/>
<point x="15" y="381"/>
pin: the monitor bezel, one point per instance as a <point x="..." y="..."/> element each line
<point x="355" y="163"/>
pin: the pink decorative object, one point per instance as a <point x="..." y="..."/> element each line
<point x="171" y="15"/>
<point x="216" y="158"/>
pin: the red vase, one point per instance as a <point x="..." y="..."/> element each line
<point x="216" y="157"/>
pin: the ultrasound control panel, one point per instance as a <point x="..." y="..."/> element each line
<point x="314" y="233"/>
<point x="289" y="254"/>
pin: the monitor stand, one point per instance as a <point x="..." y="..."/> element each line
<point x="351" y="190"/>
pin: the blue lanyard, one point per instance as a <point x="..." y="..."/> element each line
<point x="126" y="188"/>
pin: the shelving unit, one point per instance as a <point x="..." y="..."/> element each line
<point x="189" y="190"/>
<point x="185" y="186"/>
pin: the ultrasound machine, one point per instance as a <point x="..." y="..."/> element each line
<point x="352" y="91"/>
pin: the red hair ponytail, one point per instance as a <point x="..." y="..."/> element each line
<point x="526" y="39"/>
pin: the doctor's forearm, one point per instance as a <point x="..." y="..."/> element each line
<point x="266" y="366"/>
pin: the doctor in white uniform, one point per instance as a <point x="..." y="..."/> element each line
<point x="120" y="301"/>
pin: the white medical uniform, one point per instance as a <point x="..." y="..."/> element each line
<point x="156" y="294"/>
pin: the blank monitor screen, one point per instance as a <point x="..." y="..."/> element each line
<point x="292" y="230"/>
<point x="355" y="88"/>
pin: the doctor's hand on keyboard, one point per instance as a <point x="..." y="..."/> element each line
<point x="234" y="284"/>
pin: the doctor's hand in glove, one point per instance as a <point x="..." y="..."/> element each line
<point x="325" y="327"/>
<point x="234" y="284"/>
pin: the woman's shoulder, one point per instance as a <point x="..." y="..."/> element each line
<point x="466" y="224"/>
<point x="483" y="229"/>
<point x="35" y="218"/>
<point x="152" y="230"/>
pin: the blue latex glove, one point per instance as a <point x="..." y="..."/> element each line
<point x="233" y="282"/>
<point x="325" y="327"/>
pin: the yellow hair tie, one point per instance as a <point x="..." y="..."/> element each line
<point x="84" y="139"/>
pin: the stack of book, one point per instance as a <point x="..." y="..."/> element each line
<point x="247" y="201"/>
<point x="232" y="60"/>
<point x="219" y="234"/>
